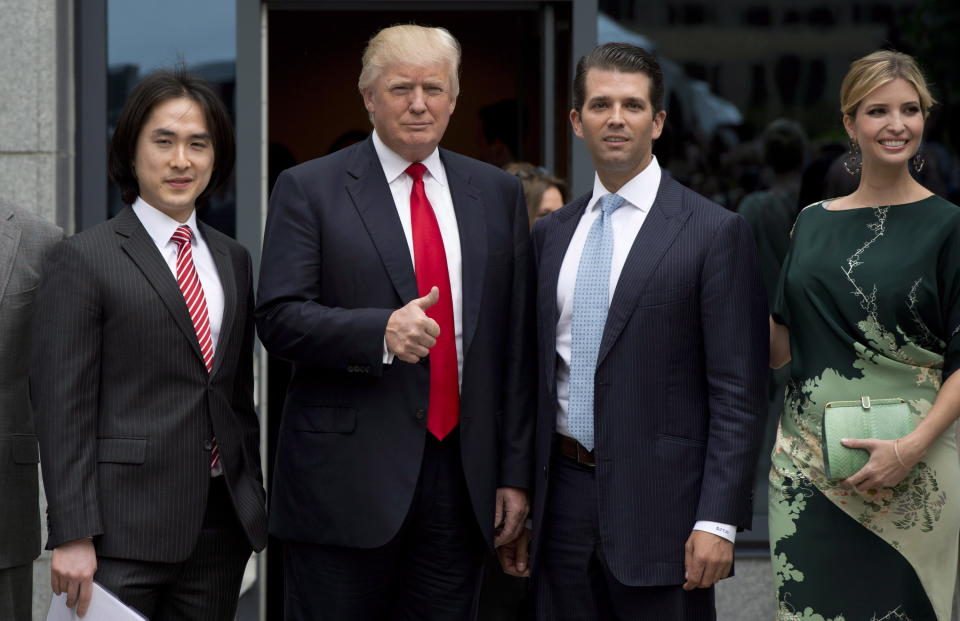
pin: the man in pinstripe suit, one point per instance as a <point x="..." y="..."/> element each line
<point x="653" y="346"/>
<point x="143" y="376"/>
<point x="24" y="240"/>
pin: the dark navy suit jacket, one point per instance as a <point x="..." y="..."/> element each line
<point x="680" y="382"/>
<point x="335" y="266"/>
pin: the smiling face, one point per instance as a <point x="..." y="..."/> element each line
<point x="618" y="124"/>
<point x="888" y="125"/>
<point x="174" y="157"/>
<point x="411" y="107"/>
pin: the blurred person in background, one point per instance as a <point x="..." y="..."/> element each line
<point x="868" y="305"/>
<point x="770" y="213"/>
<point x="544" y="192"/>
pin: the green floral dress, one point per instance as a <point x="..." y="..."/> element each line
<point x="872" y="300"/>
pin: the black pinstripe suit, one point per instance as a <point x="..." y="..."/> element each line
<point x="125" y="406"/>
<point x="680" y="383"/>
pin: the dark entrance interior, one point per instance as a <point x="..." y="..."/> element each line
<point x="314" y="62"/>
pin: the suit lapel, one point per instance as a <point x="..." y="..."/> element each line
<point x="471" y="224"/>
<point x="9" y="242"/>
<point x="556" y="241"/>
<point x="138" y="245"/>
<point x="228" y="279"/>
<point x="657" y="234"/>
<point x="367" y="186"/>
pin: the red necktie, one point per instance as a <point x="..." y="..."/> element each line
<point x="443" y="410"/>
<point x="192" y="291"/>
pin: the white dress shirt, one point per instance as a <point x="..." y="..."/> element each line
<point x="638" y="194"/>
<point x="438" y="193"/>
<point x="161" y="228"/>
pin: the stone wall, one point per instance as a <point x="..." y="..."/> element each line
<point x="36" y="107"/>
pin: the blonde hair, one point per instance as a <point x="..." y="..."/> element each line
<point x="876" y="69"/>
<point x="410" y="44"/>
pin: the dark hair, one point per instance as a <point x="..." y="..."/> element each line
<point x="536" y="181"/>
<point x="784" y="146"/>
<point x="154" y="89"/>
<point x="622" y="57"/>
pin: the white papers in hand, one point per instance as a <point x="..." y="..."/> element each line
<point x="104" y="606"/>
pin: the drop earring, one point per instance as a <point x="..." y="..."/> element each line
<point x="852" y="162"/>
<point x="918" y="161"/>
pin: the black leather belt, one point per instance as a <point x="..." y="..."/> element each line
<point x="573" y="450"/>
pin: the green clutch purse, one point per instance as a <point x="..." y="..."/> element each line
<point x="883" y="419"/>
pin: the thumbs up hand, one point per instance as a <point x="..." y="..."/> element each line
<point x="428" y="300"/>
<point x="410" y="333"/>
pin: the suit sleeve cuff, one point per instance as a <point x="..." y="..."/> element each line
<point x="726" y="531"/>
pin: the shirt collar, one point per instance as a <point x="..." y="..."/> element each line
<point x="639" y="192"/>
<point x="394" y="165"/>
<point x="159" y="225"/>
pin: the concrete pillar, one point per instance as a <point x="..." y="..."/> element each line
<point x="36" y="104"/>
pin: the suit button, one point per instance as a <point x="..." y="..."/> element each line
<point x="207" y="446"/>
<point x="421" y="414"/>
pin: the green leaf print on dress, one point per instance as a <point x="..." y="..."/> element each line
<point x="872" y="301"/>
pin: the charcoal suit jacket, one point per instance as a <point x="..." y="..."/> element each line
<point x="335" y="266"/>
<point x="680" y="382"/>
<point x="24" y="240"/>
<point x="125" y="407"/>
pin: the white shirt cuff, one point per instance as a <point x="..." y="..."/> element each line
<point x="726" y="531"/>
<point x="388" y="355"/>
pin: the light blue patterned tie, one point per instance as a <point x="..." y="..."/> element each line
<point x="591" y="299"/>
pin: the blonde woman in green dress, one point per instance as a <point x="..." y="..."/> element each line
<point x="868" y="304"/>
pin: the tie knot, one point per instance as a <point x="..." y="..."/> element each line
<point x="182" y="235"/>
<point x="416" y="171"/>
<point x="609" y="203"/>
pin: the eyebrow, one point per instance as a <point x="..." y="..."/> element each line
<point x="883" y="103"/>
<point x="167" y="132"/>
<point x="605" y="98"/>
<point x="409" y="83"/>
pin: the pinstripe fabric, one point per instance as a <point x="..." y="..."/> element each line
<point x="24" y="240"/>
<point x="574" y="581"/>
<point x="16" y="592"/>
<point x="125" y="405"/>
<point x="679" y="386"/>
<point x="204" y="587"/>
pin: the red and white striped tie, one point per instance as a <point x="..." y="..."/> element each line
<point x="192" y="291"/>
